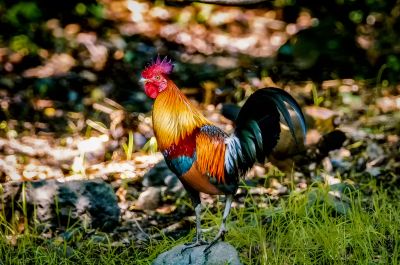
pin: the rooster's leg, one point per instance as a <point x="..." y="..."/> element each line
<point x="222" y="228"/>
<point x="197" y="210"/>
<point x="198" y="241"/>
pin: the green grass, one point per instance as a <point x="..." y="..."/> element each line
<point x="303" y="228"/>
<point x="300" y="232"/>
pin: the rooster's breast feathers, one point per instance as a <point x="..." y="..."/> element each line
<point x="203" y="148"/>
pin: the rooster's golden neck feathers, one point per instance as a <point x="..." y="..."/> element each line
<point x="174" y="117"/>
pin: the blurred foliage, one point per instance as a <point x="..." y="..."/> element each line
<point x="52" y="50"/>
<point x="77" y="52"/>
<point x="347" y="38"/>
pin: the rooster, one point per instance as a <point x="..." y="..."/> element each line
<point x="204" y="157"/>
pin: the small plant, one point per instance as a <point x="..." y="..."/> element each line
<point x="317" y="99"/>
<point x="130" y="147"/>
<point x="151" y="145"/>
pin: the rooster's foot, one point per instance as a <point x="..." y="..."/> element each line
<point x="196" y="243"/>
<point x="220" y="236"/>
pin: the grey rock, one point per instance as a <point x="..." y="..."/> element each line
<point x="139" y="140"/>
<point x="161" y="175"/>
<point x="61" y="204"/>
<point x="220" y="253"/>
<point x="156" y="175"/>
<point x="374" y="151"/>
<point x="149" y="199"/>
<point x="174" y="185"/>
<point x="374" y="171"/>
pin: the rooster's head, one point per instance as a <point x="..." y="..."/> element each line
<point x="155" y="75"/>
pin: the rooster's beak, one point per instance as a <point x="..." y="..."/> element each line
<point x="143" y="80"/>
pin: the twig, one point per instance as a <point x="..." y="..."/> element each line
<point x="140" y="228"/>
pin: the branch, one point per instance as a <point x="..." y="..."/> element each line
<point x="221" y="2"/>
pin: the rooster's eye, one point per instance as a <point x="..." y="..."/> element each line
<point x="157" y="77"/>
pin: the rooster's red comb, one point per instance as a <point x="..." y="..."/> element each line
<point x="158" y="66"/>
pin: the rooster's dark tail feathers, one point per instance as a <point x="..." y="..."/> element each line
<point x="258" y="128"/>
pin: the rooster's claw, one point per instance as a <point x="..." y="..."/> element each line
<point x="197" y="243"/>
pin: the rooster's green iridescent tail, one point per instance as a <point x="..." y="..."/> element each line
<point x="258" y="128"/>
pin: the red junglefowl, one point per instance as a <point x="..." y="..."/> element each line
<point x="205" y="158"/>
